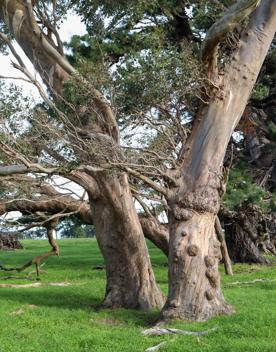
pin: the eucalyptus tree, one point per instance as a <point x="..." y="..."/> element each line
<point x="233" y="53"/>
<point x="183" y="162"/>
<point x="130" y="279"/>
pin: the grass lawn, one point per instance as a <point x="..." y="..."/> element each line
<point x="70" y="319"/>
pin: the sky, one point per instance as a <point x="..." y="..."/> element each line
<point x="71" y="26"/>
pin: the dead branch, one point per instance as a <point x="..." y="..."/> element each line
<point x="168" y="331"/>
<point x="223" y="247"/>
<point x="240" y="283"/>
<point x="219" y="31"/>
<point x="156" y="348"/>
<point x="35" y="285"/>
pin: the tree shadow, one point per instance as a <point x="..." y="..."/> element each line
<point x="69" y="299"/>
<point x="53" y="297"/>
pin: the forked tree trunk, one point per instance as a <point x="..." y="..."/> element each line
<point x="194" y="281"/>
<point x="130" y="278"/>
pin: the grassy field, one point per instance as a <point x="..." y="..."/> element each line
<point x="70" y="319"/>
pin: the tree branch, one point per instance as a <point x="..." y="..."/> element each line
<point x="219" y="31"/>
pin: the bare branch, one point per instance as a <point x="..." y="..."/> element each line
<point x="219" y="31"/>
<point x="146" y="180"/>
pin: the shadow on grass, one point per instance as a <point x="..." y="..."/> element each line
<point x="52" y="297"/>
<point x="69" y="299"/>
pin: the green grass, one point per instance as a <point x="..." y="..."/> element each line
<point x="70" y="319"/>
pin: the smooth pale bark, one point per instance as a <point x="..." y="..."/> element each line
<point x="194" y="284"/>
<point x="130" y="279"/>
<point x="13" y="13"/>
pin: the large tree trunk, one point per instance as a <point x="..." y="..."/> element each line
<point x="194" y="284"/>
<point x="194" y="290"/>
<point x="130" y="278"/>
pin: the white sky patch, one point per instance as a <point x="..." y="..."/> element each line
<point x="238" y="136"/>
<point x="72" y="25"/>
<point x="65" y="186"/>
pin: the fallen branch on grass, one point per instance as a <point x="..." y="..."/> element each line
<point x="19" y="278"/>
<point x="36" y="284"/>
<point x="165" y="331"/>
<point x="248" y="282"/>
<point x="37" y="261"/>
<point x="156" y="348"/>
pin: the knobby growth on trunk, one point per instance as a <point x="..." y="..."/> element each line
<point x="194" y="281"/>
<point x="188" y="180"/>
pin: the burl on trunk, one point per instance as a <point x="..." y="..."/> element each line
<point x="194" y="280"/>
